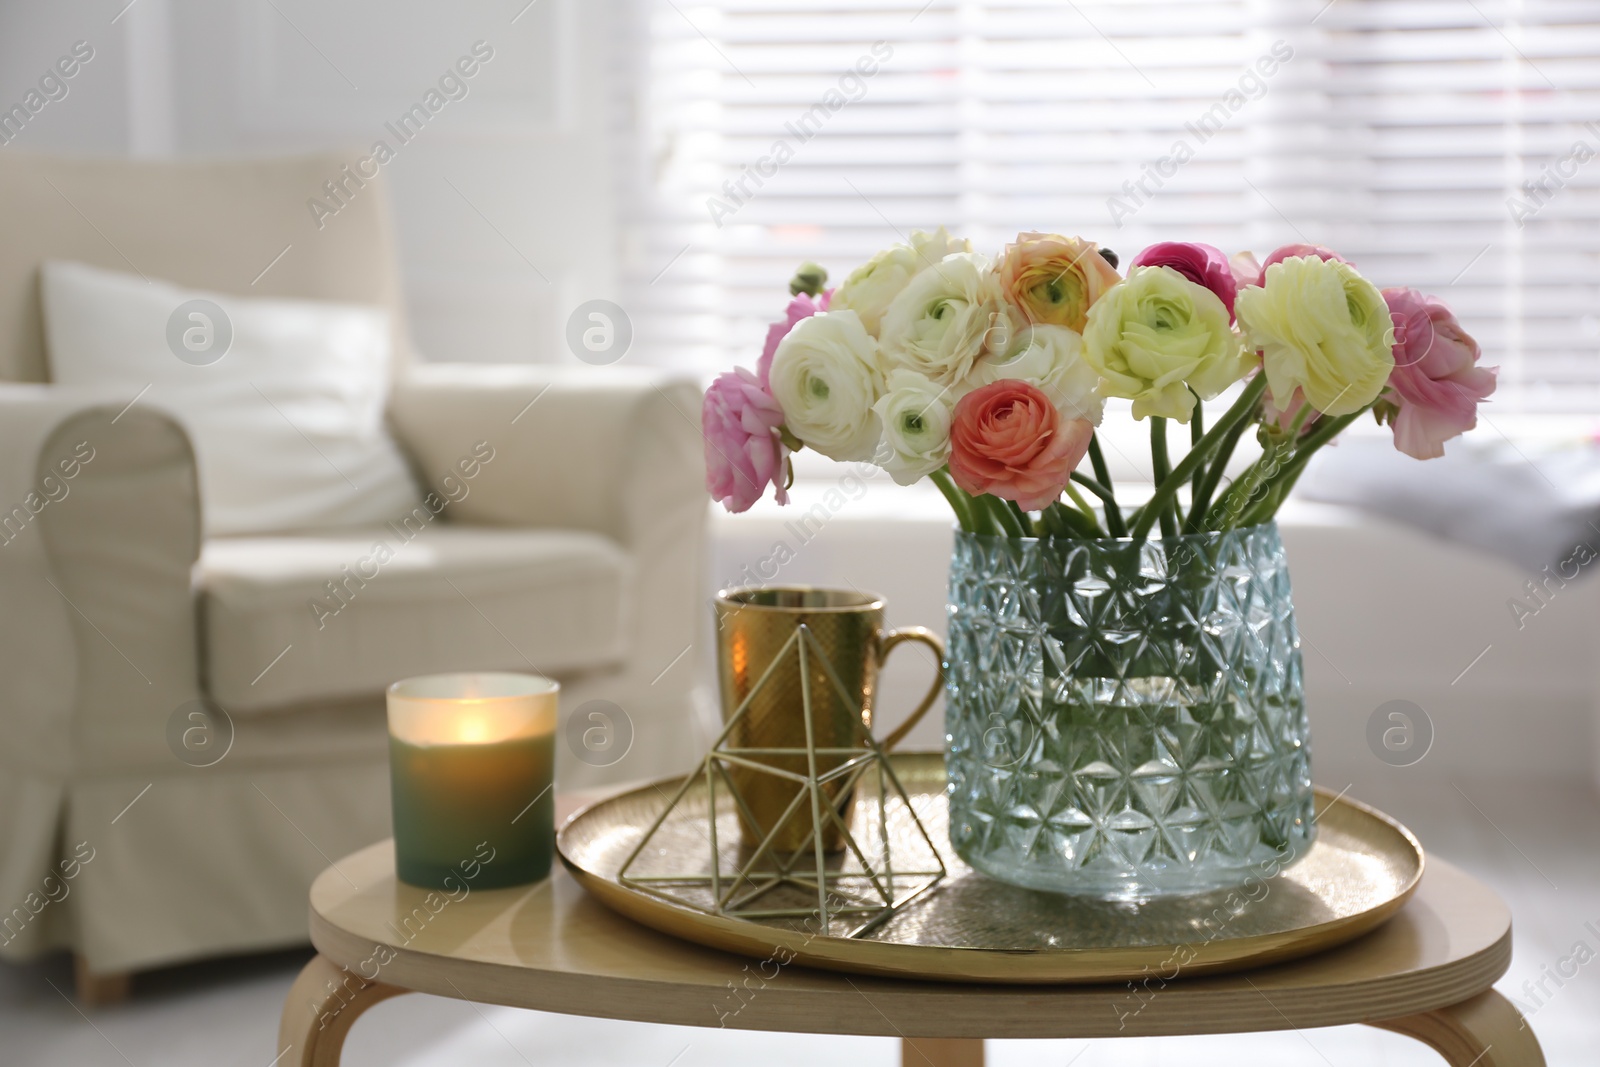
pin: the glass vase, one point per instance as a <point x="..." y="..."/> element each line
<point x="1126" y="719"/>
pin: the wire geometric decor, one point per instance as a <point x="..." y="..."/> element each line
<point x="841" y="880"/>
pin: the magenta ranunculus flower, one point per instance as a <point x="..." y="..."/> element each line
<point x="744" y="454"/>
<point x="1436" y="381"/>
<point x="802" y="306"/>
<point x="1200" y="263"/>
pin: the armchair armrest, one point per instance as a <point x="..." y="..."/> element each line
<point x="611" y="450"/>
<point x="99" y="529"/>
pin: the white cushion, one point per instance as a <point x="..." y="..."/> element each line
<point x="288" y="425"/>
<point x="342" y="614"/>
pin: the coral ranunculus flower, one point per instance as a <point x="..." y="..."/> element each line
<point x="1008" y="440"/>
<point x="1053" y="280"/>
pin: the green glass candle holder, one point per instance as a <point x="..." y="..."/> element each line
<point x="472" y="773"/>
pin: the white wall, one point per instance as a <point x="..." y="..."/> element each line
<point x="503" y="202"/>
<point x="93" y="116"/>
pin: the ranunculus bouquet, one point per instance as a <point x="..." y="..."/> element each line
<point x="1079" y="642"/>
<point x="990" y="377"/>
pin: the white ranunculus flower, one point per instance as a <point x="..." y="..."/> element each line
<point x="824" y="376"/>
<point x="915" y="412"/>
<point x="1050" y="357"/>
<point x="870" y="287"/>
<point x="947" y="318"/>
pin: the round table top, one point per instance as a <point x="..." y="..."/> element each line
<point x="552" y="947"/>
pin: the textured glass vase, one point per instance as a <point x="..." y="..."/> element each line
<point x="1126" y="720"/>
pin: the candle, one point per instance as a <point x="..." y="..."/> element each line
<point x="471" y="762"/>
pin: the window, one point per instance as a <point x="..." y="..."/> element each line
<point x="1445" y="144"/>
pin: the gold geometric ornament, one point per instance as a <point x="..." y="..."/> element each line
<point x="693" y="854"/>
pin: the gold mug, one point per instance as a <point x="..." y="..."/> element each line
<point x="753" y="626"/>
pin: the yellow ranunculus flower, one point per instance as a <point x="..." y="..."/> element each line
<point x="1320" y="327"/>
<point x="1157" y="336"/>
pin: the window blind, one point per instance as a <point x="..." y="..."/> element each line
<point x="1444" y="144"/>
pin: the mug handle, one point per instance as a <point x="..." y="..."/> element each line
<point x="892" y="638"/>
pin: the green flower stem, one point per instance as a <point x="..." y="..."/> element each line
<point x="1058" y="520"/>
<point x="1102" y="473"/>
<point x="960" y="502"/>
<point x="1213" y="475"/>
<point x="1265" y="506"/>
<point x="1280" y="493"/>
<point x="1083" y="506"/>
<point x="1197" y="429"/>
<point x="1167" y="490"/>
<point x="1022" y="517"/>
<point x="1253" y="491"/>
<point x="1283" y="479"/>
<point x="1163" y="469"/>
<point x="1254" y="487"/>
<point x="984" y="519"/>
<point x="1234" y="500"/>
<point x="1002" y="516"/>
<point x="1100" y="491"/>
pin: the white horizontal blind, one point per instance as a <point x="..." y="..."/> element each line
<point x="1449" y="109"/>
<point x="1400" y="132"/>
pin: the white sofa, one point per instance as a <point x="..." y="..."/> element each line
<point x="576" y="553"/>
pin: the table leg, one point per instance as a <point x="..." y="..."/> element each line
<point x="1485" y="1031"/>
<point x="941" y="1052"/>
<point x="322" y="1004"/>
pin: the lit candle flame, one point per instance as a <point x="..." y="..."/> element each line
<point x="474" y="714"/>
<point x="472" y="725"/>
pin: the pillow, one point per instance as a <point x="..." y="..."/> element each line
<point x="283" y="399"/>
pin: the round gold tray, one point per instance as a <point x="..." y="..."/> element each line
<point x="969" y="928"/>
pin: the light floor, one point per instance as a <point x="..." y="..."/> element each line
<point x="1538" y="845"/>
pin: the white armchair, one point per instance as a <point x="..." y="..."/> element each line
<point x="573" y="549"/>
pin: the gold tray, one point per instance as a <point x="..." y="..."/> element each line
<point x="969" y="928"/>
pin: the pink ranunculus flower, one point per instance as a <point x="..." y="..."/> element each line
<point x="1436" y="381"/>
<point x="744" y="452"/>
<point x="1280" y="254"/>
<point x="1202" y="264"/>
<point x="1284" y="418"/>
<point x="1007" y="439"/>
<point x="803" y="306"/>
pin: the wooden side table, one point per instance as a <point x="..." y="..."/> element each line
<point x="1426" y="973"/>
